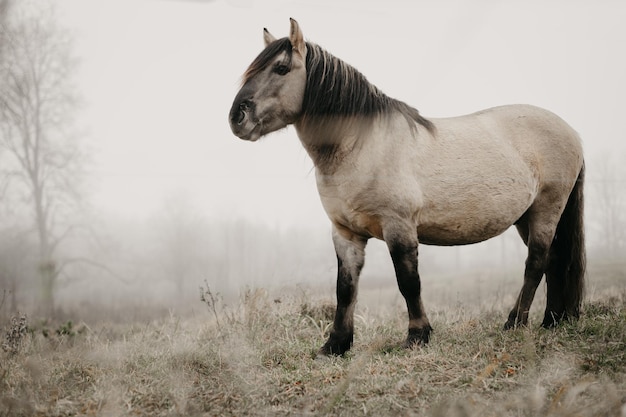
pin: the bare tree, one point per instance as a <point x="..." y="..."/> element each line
<point x="41" y="158"/>
<point x="4" y="11"/>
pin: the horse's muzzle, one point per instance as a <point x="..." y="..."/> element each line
<point x="242" y="121"/>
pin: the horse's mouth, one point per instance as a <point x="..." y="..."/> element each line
<point x="252" y="134"/>
<point x="247" y="129"/>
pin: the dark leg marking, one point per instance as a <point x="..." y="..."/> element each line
<point x="350" y="260"/>
<point x="535" y="268"/>
<point x="405" y="264"/>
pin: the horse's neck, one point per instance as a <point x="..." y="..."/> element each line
<point x="330" y="141"/>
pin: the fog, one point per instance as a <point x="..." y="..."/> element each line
<point x="170" y="200"/>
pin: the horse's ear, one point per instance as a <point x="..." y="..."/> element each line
<point x="296" y="38"/>
<point x="268" y="37"/>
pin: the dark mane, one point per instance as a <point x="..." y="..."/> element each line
<point x="266" y="56"/>
<point x="336" y="88"/>
<point x="333" y="87"/>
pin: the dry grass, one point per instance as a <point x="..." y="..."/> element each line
<point x="261" y="361"/>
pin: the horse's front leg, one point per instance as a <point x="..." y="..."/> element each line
<point x="350" y="251"/>
<point x="403" y="245"/>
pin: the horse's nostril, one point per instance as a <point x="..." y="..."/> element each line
<point x="244" y="108"/>
<point x="241" y="111"/>
<point x="241" y="115"/>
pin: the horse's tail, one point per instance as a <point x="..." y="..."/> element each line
<point x="568" y="255"/>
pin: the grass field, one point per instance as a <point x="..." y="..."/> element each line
<point x="256" y="356"/>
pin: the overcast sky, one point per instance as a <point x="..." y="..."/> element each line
<point x="158" y="78"/>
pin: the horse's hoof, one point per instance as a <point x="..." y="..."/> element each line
<point x="418" y="337"/>
<point x="509" y="325"/>
<point x="336" y="345"/>
<point x="549" y="323"/>
<point x="552" y="319"/>
<point x="514" y="324"/>
<point x="327" y="350"/>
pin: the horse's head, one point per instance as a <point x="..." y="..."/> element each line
<point x="273" y="87"/>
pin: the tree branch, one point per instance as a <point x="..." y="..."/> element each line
<point x="95" y="264"/>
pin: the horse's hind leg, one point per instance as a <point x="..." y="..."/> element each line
<point x="538" y="232"/>
<point x="350" y="259"/>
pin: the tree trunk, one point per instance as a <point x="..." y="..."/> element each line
<point x="13" y="290"/>
<point x="47" y="275"/>
<point x="47" y="266"/>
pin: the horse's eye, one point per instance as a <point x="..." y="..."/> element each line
<point x="281" y="69"/>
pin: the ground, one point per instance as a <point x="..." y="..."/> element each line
<point x="257" y="356"/>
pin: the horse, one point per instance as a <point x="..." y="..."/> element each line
<point x="384" y="171"/>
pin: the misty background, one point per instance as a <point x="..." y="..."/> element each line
<point x="121" y="184"/>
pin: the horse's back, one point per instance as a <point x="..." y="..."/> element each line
<point x="521" y="124"/>
<point x="533" y="127"/>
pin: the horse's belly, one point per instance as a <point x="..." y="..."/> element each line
<point x="472" y="215"/>
<point x="444" y="235"/>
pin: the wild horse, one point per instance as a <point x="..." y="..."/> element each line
<point x="385" y="171"/>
